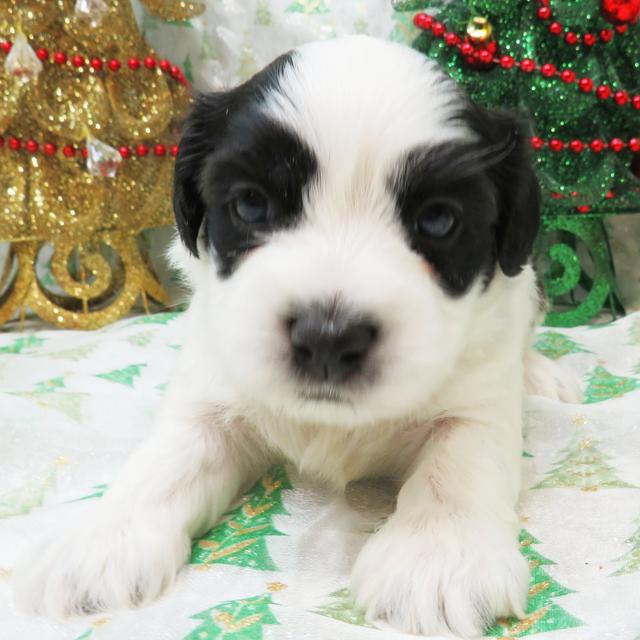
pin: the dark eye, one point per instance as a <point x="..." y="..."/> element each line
<point x="438" y="219"/>
<point x="251" y="206"/>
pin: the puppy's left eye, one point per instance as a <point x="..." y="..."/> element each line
<point x="251" y="206"/>
<point x="438" y="219"/>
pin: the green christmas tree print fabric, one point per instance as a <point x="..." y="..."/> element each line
<point x="543" y="613"/>
<point x="241" y="539"/>
<point x="74" y="405"/>
<point x="235" y="620"/>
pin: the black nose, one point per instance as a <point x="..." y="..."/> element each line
<point x="328" y="345"/>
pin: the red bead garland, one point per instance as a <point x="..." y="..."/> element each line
<point x="578" y="146"/>
<point x="545" y="13"/>
<point x="70" y="151"/>
<point x="113" y="64"/>
<point x="487" y="56"/>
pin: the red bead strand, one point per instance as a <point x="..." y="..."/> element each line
<point x="70" y="151"/>
<point x="545" y="14"/>
<point x="114" y="65"/>
<point x="485" y="58"/>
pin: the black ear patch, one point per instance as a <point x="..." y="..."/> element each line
<point x="516" y="185"/>
<point x="204" y="128"/>
<point x="205" y="124"/>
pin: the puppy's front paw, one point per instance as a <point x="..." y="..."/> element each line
<point x="444" y="577"/>
<point x="103" y="566"/>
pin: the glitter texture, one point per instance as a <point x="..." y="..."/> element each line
<point x="82" y="222"/>
<point x="586" y="186"/>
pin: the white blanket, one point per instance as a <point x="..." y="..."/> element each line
<point x="73" y="405"/>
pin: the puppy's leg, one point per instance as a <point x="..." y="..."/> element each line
<point x="134" y="542"/>
<point x="544" y="377"/>
<point x="448" y="560"/>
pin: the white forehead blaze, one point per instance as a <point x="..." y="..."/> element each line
<point x="362" y="101"/>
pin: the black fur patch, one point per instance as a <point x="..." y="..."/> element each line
<point x="228" y="141"/>
<point x="493" y="183"/>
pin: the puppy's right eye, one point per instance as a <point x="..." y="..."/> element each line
<point x="251" y="206"/>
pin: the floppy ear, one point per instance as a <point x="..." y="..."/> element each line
<point x="204" y="125"/>
<point x="516" y="185"/>
<point x="519" y="204"/>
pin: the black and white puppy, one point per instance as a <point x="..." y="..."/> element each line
<point x="357" y="237"/>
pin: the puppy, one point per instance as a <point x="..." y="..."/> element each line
<point x="357" y="236"/>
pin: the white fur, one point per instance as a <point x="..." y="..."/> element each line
<point x="444" y="414"/>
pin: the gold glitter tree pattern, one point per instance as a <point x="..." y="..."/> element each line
<point x="99" y="103"/>
<point x="584" y="467"/>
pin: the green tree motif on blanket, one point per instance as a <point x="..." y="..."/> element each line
<point x="48" y="395"/>
<point x="142" y="339"/>
<point x="542" y="613"/>
<point x="403" y="30"/>
<point x="584" y="467"/>
<point x="235" y="620"/>
<point x="22" y="343"/>
<point x="263" y="14"/>
<point x="603" y="385"/>
<point x="98" y="493"/>
<point x="554" y="345"/>
<point x="340" y="607"/>
<point x="241" y="538"/>
<point x="308" y="7"/>
<point x="631" y="559"/>
<point x="124" y="376"/>
<point x="74" y="353"/>
<point x="28" y="496"/>
<point x="156" y="318"/>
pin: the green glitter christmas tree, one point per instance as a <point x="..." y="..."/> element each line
<point x="542" y="613"/>
<point x="571" y="66"/>
<point x="585" y="467"/>
<point x="234" y="620"/>
<point x="583" y="105"/>
<point x="240" y="539"/>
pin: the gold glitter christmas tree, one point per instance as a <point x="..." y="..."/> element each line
<point x="88" y="130"/>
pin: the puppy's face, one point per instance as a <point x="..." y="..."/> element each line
<point x="351" y="208"/>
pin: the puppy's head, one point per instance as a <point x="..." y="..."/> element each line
<point x="348" y="207"/>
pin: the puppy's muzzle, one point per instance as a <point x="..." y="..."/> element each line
<point x="328" y="344"/>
